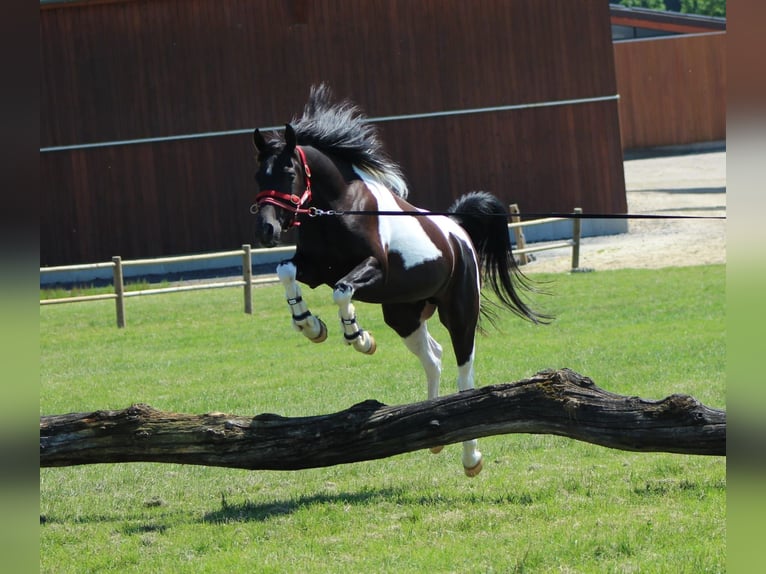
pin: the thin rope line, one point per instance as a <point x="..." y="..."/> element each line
<point x="314" y="212"/>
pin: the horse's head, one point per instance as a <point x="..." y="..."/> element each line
<point x="284" y="183"/>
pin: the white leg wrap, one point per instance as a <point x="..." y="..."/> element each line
<point x="286" y="272"/>
<point x="353" y="335"/>
<point x="303" y="320"/>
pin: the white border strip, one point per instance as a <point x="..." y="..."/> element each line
<point x="425" y="115"/>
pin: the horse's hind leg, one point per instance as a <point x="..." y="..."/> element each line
<point x="472" y="459"/>
<point x="409" y="322"/>
<point x="310" y="325"/>
<point x="424" y="346"/>
<point x="461" y="324"/>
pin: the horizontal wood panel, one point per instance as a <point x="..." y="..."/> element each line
<point x="139" y="69"/>
<point x="194" y="195"/>
<point x="146" y="200"/>
<point x="146" y="69"/>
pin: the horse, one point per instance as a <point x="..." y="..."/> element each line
<point x="357" y="233"/>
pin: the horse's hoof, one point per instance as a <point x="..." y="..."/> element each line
<point x="362" y="341"/>
<point x="322" y="332"/>
<point x="436" y="449"/>
<point x="471" y="472"/>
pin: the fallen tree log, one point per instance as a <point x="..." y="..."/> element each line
<point x="558" y="402"/>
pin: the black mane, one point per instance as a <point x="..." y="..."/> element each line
<point x="341" y="130"/>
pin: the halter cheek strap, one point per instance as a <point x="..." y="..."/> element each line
<point x="288" y="201"/>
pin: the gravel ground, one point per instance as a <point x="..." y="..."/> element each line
<point x="692" y="184"/>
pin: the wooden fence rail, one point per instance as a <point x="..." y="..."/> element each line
<point x="120" y="294"/>
<point x="521" y="244"/>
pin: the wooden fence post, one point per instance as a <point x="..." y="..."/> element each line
<point x="247" y="276"/>
<point x="576" y="233"/>
<point x="119" y="291"/>
<point x="521" y="242"/>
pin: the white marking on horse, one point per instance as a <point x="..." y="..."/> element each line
<point x="422" y="345"/>
<point x="406" y="236"/>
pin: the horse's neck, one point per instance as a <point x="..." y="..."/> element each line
<point x="329" y="178"/>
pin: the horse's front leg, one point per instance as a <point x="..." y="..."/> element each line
<point x="310" y="325"/>
<point x="365" y="275"/>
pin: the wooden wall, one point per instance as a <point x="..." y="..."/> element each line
<point x="672" y="90"/>
<point x="133" y="69"/>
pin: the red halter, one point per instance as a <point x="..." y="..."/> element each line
<point x="289" y="201"/>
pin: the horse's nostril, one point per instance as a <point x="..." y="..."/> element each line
<point x="268" y="234"/>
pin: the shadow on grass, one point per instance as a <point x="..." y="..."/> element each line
<point x="262" y="511"/>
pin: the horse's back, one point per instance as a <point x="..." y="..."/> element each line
<point x="408" y="235"/>
<point x="424" y="253"/>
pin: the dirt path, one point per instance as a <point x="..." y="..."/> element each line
<point x="684" y="185"/>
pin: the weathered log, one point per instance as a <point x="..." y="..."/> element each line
<point x="552" y="402"/>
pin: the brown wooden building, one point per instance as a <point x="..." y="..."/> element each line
<point x="147" y="109"/>
<point x="671" y="76"/>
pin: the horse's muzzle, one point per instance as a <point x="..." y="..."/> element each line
<point x="267" y="227"/>
<point x="268" y="235"/>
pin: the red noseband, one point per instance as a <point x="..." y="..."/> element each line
<point x="288" y="201"/>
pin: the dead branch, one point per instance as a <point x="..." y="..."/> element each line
<point x="551" y="402"/>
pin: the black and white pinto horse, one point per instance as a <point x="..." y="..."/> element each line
<point x="331" y="178"/>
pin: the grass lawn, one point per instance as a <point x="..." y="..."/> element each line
<point x="542" y="503"/>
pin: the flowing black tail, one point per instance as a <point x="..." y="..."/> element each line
<point x="485" y="219"/>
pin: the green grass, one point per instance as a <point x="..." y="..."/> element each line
<point x="542" y="503"/>
<point x="86" y="289"/>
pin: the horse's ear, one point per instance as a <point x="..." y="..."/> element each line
<point x="290" y="140"/>
<point x="260" y="143"/>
